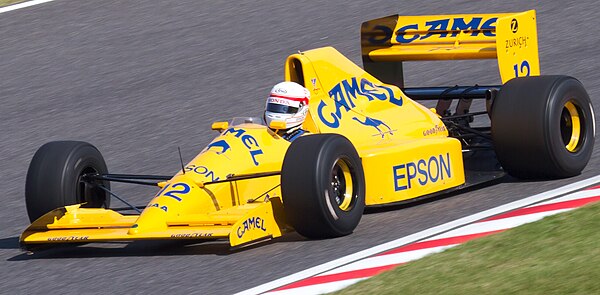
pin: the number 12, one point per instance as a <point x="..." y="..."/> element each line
<point x="174" y="192"/>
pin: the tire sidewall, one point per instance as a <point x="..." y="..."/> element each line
<point x="526" y="127"/>
<point x="571" y="163"/>
<point x="305" y="178"/>
<point x="346" y="220"/>
<point x="53" y="177"/>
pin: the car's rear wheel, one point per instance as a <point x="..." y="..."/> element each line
<point x="323" y="186"/>
<point x="543" y="127"/>
<point x="54" y="178"/>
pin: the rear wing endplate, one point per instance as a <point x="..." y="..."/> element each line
<point x="511" y="38"/>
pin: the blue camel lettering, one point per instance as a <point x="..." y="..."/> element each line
<point x="374" y="123"/>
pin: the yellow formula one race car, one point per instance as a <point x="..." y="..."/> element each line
<point x="368" y="143"/>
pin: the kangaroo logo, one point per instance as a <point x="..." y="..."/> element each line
<point x="376" y="124"/>
<point x="222" y="144"/>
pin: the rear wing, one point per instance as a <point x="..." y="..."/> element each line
<point x="511" y="38"/>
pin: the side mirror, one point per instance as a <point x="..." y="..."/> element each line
<point x="220" y="126"/>
<point x="277" y="125"/>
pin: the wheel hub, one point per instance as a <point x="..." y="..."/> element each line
<point x="571" y="127"/>
<point x="338" y="187"/>
<point x="341" y="185"/>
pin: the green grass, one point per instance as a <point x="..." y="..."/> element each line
<point x="557" y="255"/>
<point x="8" y="2"/>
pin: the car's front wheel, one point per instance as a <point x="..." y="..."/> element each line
<point x="323" y="186"/>
<point x="54" y="178"/>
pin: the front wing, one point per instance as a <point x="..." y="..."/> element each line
<point x="241" y="225"/>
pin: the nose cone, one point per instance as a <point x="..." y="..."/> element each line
<point x="151" y="220"/>
<point x="181" y="196"/>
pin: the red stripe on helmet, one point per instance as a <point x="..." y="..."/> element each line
<point x="300" y="99"/>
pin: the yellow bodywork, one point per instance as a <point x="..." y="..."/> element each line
<point x="511" y="38"/>
<point x="186" y="208"/>
<point x="404" y="147"/>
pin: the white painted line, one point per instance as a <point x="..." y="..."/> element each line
<point x="316" y="270"/>
<point x="475" y="228"/>
<point x="399" y="258"/>
<point x="499" y="224"/>
<point x="318" y="289"/>
<point x="574" y="196"/>
<point x="389" y="259"/>
<point x="23" y="5"/>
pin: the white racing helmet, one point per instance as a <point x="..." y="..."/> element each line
<point x="287" y="102"/>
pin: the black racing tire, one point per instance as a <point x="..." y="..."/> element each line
<point x="543" y="127"/>
<point x="54" y="178"/>
<point x="323" y="186"/>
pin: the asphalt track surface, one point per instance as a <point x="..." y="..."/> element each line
<point x="140" y="78"/>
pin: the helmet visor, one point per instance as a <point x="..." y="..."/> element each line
<point x="281" y="109"/>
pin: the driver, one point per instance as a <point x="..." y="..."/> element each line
<point x="288" y="102"/>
